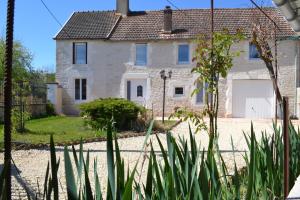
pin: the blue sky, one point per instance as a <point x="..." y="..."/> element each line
<point x="35" y="27"/>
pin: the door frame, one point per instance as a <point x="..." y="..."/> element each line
<point x="135" y="76"/>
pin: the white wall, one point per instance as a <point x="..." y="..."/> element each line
<point x="109" y="62"/>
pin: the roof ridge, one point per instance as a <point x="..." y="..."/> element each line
<point x="95" y="11"/>
<point x="184" y="9"/>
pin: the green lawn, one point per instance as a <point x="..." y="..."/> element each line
<point x="64" y="129"/>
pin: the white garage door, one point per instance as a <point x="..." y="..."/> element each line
<point x="252" y="98"/>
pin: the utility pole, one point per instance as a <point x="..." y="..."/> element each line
<point x="213" y="76"/>
<point x="276" y="72"/>
<point x="8" y="94"/>
<point x="286" y="149"/>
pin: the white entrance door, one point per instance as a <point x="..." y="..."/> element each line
<point x="252" y="99"/>
<point x="138" y="91"/>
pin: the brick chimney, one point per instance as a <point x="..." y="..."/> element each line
<point x="167" y="20"/>
<point x="123" y="7"/>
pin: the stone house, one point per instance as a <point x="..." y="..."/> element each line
<point x="121" y="54"/>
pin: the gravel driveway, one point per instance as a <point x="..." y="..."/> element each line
<point x="32" y="163"/>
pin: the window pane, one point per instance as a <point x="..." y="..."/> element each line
<point x="77" y="89"/>
<point x="208" y="94"/>
<point x="179" y="90"/>
<point x="139" y="91"/>
<point x="80" y="53"/>
<point x="200" y="94"/>
<point x="253" y="52"/>
<point x="83" y="89"/>
<point x="141" y="54"/>
<point x="183" y="53"/>
<point x="128" y="90"/>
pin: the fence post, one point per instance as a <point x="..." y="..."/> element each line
<point x="286" y="145"/>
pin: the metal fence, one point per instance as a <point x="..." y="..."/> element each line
<point x="27" y="96"/>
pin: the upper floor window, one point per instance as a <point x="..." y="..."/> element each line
<point x="183" y="54"/>
<point x="80" y="89"/>
<point x="253" y="52"/>
<point x="139" y="91"/>
<point x="141" y="54"/>
<point x="80" y="53"/>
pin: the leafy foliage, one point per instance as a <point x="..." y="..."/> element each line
<point x="213" y="61"/>
<point x="50" y="110"/>
<point x="181" y="171"/>
<point x="99" y="113"/>
<point x="22" y="59"/>
<point x="19" y="119"/>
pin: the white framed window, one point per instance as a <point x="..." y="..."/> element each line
<point x="183" y="54"/>
<point x="80" y="89"/>
<point x="253" y="52"/>
<point x="141" y="54"/>
<point x="178" y="91"/>
<point x="80" y="53"/>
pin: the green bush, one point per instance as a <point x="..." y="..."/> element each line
<point x="98" y="113"/>
<point x="50" y="110"/>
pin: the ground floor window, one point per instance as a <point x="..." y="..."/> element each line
<point x="80" y="89"/>
<point x="178" y="91"/>
<point x="202" y="95"/>
<point x="139" y="91"/>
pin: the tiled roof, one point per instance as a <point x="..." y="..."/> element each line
<point x="148" y="25"/>
<point x="88" y="25"/>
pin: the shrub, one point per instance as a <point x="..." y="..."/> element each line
<point x="19" y="117"/>
<point x="98" y="113"/>
<point x="50" y="110"/>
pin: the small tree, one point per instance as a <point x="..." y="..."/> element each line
<point x="212" y="63"/>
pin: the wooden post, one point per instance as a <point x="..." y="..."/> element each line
<point x="286" y="145"/>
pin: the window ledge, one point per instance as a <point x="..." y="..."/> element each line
<point x="80" y="101"/>
<point x="179" y="96"/>
<point x="254" y="59"/>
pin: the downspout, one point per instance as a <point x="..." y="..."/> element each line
<point x="297" y="82"/>
<point x="289" y="13"/>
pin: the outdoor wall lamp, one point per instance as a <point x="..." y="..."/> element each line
<point x="164" y="77"/>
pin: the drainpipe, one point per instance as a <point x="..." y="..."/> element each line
<point x="289" y="13"/>
<point x="297" y="100"/>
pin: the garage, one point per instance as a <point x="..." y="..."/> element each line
<point x="252" y="99"/>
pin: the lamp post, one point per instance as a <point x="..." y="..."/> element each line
<point x="164" y="77"/>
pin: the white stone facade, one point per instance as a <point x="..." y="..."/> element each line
<point x="110" y="64"/>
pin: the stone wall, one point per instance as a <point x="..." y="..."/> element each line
<point x="109" y="63"/>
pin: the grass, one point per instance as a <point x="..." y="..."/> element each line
<point x="64" y="129"/>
